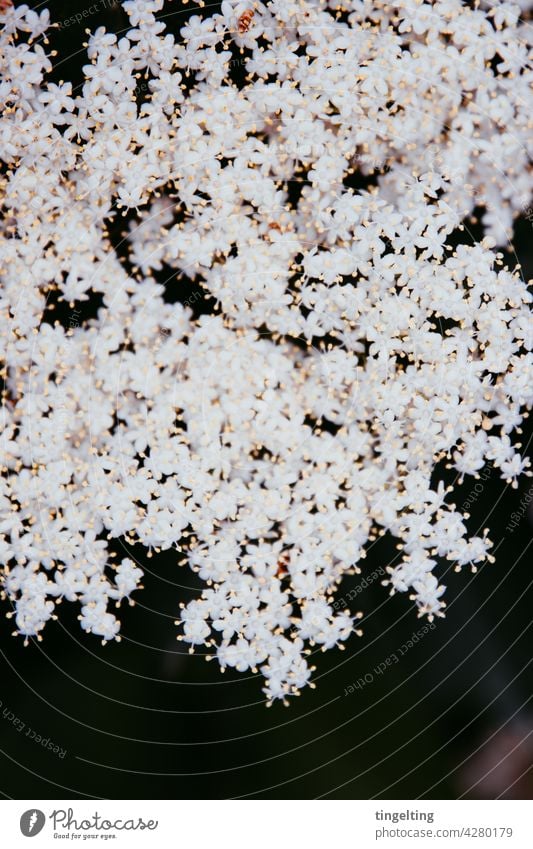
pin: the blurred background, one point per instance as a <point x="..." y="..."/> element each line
<point x="145" y="719"/>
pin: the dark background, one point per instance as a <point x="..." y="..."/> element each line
<point x="144" y="719"/>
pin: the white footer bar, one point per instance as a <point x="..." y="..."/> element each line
<point x="268" y="824"/>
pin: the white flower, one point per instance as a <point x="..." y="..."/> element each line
<point x="351" y="350"/>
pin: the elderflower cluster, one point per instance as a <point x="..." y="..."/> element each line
<point x="305" y="163"/>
